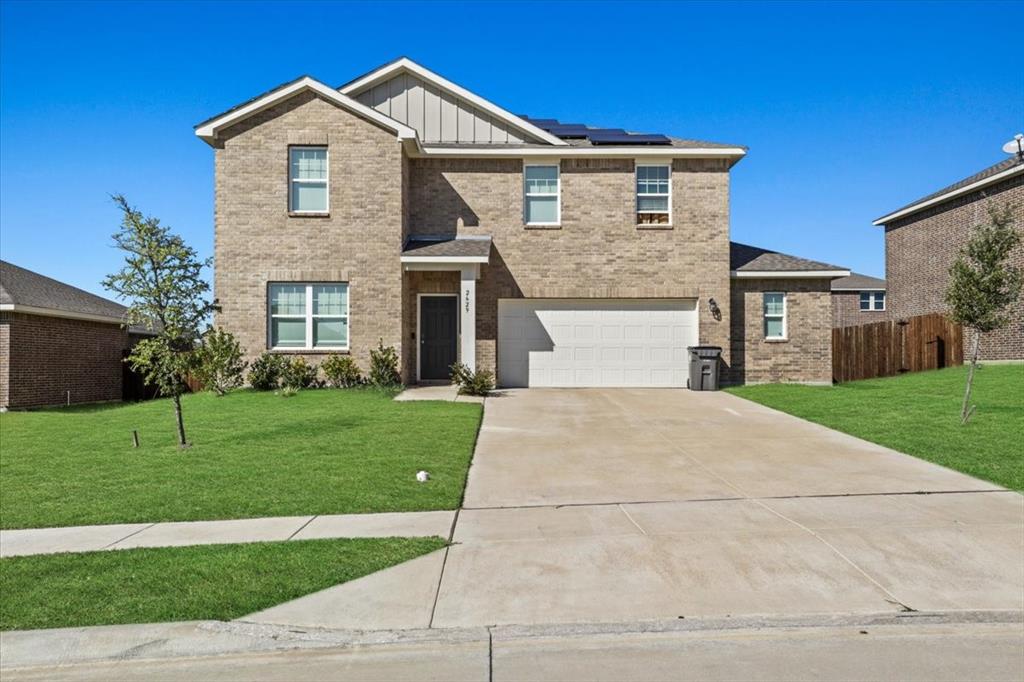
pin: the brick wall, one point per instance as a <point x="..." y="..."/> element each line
<point x="597" y="251"/>
<point x="920" y="248"/>
<point x="846" y="310"/>
<point x="256" y="241"/>
<point x="806" y="356"/>
<point x="42" y="358"/>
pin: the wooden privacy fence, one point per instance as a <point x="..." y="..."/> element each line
<point x="884" y="349"/>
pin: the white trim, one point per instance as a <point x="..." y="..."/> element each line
<point x="529" y="163"/>
<point x="601" y="151"/>
<point x="208" y="131"/>
<point x="405" y="64"/>
<point x="785" y="317"/>
<point x="787" y="274"/>
<point x="636" y="193"/>
<point x="914" y="208"/>
<point x="857" y="289"/>
<point x="419" y="337"/>
<point x="326" y="180"/>
<point x="309" y="316"/>
<point x="873" y="293"/>
<point x="69" y="315"/>
<point x="430" y="260"/>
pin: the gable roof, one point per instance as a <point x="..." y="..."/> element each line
<point x="991" y="175"/>
<point x="208" y="129"/>
<point x="858" y="282"/>
<point x="752" y="261"/>
<point x="24" y="289"/>
<point x="401" y="65"/>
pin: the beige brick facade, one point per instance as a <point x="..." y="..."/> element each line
<point x="806" y="354"/>
<point x="846" y="310"/>
<point x="920" y="248"/>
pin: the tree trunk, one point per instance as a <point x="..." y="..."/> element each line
<point x="182" y="443"/>
<point x="965" y="411"/>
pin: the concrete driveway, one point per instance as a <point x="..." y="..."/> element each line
<point x="629" y="505"/>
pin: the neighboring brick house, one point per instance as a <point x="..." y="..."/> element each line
<point x="403" y="208"/>
<point x="923" y="239"/>
<point x="858" y="299"/>
<point x="58" y="344"/>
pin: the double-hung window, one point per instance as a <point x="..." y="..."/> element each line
<point x="774" y="315"/>
<point x="872" y="300"/>
<point x="308" y="316"/>
<point x="307" y="180"/>
<point x="653" y="195"/>
<point x="541" y="195"/>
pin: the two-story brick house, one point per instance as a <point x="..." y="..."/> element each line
<point x="403" y="208"/>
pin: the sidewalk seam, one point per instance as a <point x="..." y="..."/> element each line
<point x="299" y="529"/>
<point x="129" y="535"/>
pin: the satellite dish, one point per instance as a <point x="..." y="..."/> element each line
<point x="1015" y="146"/>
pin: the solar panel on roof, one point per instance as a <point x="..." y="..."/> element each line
<point x="597" y="136"/>
<point x="617" y="137"/>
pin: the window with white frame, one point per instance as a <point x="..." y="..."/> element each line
<point x="308" y="316"/>
<point x="542" y="195"/>
<point x="872" y="300"/>
<point x="653" y="195"/>
<point x="307" y="180"/>
<point x="774" y="315"/>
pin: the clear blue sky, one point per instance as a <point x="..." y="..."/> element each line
<point x="849" y="110"/>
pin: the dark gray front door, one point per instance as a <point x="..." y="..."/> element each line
<point x="439" y="333"/>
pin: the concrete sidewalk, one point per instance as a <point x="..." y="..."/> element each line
<point x="181" y="533"/>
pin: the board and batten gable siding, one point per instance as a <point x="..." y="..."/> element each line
<point x="436" y="115"/>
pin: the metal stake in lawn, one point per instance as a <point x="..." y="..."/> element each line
<point x="135" y="438"/>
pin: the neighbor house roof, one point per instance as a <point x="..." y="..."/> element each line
<point x="469" y="249"/>
<point x="25" y="291"/>
<point x="858" y="282"/>
<point x="752" y="261"/>
<point x="991" y="175"/>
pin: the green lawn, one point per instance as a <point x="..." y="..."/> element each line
<point x="215" y="582"/>
<point x="254" y="454"/>
<point x="920" y="414"/>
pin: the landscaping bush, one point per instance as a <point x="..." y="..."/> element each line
<point x="218" y="362"/>
<point x="297" y="373"/>
<point x="265" y="372"/>
<point x="384" y="367"/>
<point x="341" y="371"/>
<point x="480" y="382"/>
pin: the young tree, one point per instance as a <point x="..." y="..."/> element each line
<point x="218" y="364"/>
<point x="162" y="286"/>
<point x="983" y="284"/>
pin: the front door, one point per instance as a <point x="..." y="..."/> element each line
<point x="439" y="332"/>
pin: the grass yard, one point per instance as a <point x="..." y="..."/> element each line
<point x="253" y="454"/>
<point x="919" y="414"/>
<point x="211" y="582"/>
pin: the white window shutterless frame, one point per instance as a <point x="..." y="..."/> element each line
<point x="308" y="180"/>
<point x="653" y="194"/>
<point x="872" y="300"/>
<point x="307" y="316"/>
<point x="542" y="194"/>
<point x="775" y="315"/>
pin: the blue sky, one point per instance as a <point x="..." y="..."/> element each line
<point x="849" y="110"/>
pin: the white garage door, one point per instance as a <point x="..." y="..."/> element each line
<point x="595" y="342"/>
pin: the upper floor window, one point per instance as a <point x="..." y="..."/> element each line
<point x="774" y="315"/>
<point x="542" y="195"/>
<point x="653" y="195"/>
<point x="872" y="300"/>
<point x="308" y="316"/>
<point x="307" y="179"/>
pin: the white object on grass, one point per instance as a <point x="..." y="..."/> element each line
<point x="422" y="476"/>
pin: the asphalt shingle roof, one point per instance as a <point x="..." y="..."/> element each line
<point x="472" y="247"/>
<point x="744" y="257"/>
<point x="858" y="282"/>
<point x="22" y="287"/>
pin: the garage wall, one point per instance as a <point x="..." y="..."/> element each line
<point x="597" y="251"/>
<point x="806" y="356"/>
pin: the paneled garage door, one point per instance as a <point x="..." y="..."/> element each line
<point x="595" y="342"/>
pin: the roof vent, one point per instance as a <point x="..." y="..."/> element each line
<point x="1015" y="146"/>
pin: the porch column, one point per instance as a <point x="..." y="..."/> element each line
<point x="467" y="315"/>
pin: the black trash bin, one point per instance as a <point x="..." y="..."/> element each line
<point x="704" y="363"/>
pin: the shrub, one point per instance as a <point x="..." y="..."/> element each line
<point x="341" y="371"/>
<point x="384" y="367"/>
<point x="297" y="373"/>
<point x="265" y="372"/>
<point x="287" y="392"/>
<point x="480" y="382"/>
<point x="218" y="361"/>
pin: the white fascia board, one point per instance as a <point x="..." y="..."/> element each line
<point x="53" y="312"/>
<point x="784" y="274"/>
<point x="876" y="289"/>
<point x="429" y="260"/>
<point x="950" y="195"/>
<point x="208" y="131"/>
<point x="406" y="64"/>
<point x="665" y="153"/>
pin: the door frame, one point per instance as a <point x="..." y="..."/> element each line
<point x="419" y="337"/>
